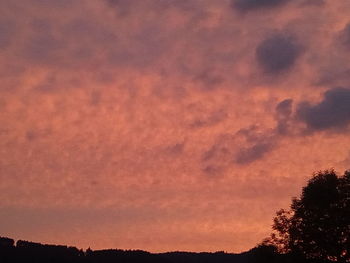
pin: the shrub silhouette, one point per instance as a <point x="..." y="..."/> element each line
<point x="6" y="242"/>
<point x="317" y="225"/>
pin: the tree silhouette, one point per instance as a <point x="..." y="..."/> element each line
<point x="317" y="225"/>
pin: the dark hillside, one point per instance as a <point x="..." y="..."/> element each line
<point x="30" y="252"/>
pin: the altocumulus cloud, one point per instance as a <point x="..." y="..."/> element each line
<point x="332" y="112"/>
<point x="277" y="53"/>
<point x="247" y="5"/>
<point x="147" y="114"/>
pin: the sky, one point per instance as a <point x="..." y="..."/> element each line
<point x="167" y="125"/>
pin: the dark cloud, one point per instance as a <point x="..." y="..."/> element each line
<point x="247" y="5"/>
<point x="256" y="143"/>
<point x="218" y="156"/>
<point x="284" y="109"/>
<point x="259" y="142"/>
<point x="253" y="153"/>
<point x="213" y="171"/>
<point x="244" y="147"/>
<point x="345" y="35"/>
<point x="251" y="134"/>
<point x="210" y="120"/>
<point x="283" y="114"/>
<point x="218" y="151"/>
<point x="277" y="53"/>
<point x="332" y="112"/>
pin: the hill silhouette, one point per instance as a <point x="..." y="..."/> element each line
<point x="31" y="252"/>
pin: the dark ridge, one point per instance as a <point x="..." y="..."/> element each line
<point x="31" y="252"/>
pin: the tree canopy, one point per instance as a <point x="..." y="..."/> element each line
<point x="317" y="225"/>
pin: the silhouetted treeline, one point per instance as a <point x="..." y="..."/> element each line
<point x="30" y="252"/>
<point x="25" y="251"/>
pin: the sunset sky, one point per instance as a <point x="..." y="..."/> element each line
<point x="167" y="125"/>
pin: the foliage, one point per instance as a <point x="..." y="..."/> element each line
<point x="317" y="225"/>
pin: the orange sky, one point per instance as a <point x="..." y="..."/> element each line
<point x="167" y="124"/>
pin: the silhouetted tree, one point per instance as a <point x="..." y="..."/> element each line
<point x="6" y="242"/>
<point x="317" y="225"/>
<point x="264" y="253"/>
